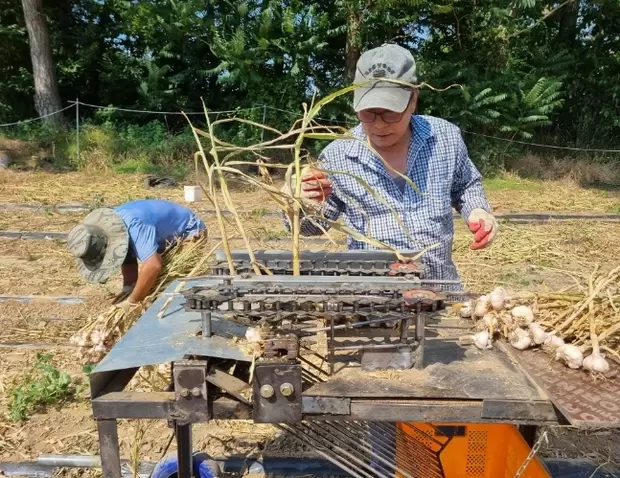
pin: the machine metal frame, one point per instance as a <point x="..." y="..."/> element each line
<point x="307" y="401"/>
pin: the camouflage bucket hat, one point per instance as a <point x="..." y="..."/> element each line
<point x="100" y="244"/>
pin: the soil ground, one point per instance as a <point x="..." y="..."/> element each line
<point x="534" y="257"/>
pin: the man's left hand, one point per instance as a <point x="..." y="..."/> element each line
<point x="128" y="305"/>
<point x="484" y="227"/>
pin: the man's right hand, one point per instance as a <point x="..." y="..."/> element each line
<point x="315" y="186"/>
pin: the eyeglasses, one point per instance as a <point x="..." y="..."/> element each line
<point x="386" y="116"/>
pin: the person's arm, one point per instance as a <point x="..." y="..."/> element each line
<point x="470" y="201"/>
<point x="146" y="278"/>
<point x="144" y="240"/>
<point x="467" y="192"/>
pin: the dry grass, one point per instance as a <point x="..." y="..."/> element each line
<point x="542" y="258"/>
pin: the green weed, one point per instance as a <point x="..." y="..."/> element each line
<point x="43" y="385"/>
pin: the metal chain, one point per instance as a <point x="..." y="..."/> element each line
<point x="284" y="267"/>
<point x="532" y="453"/>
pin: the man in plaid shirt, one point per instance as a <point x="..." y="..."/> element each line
<point x="428" y="150"/>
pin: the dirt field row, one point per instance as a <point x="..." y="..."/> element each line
<point x="549" y="256"/>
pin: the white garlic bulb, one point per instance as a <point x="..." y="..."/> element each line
<point x="497" y="298"/>
<point x="552" y="342"/>
<point x="523" y="315"/>
<point x="467" y="310"/>
<point x="253" y="335"/>
<point x="596" y="363"/>
<point x="570" y="354"/>
<point x="482" y="340"/>
<point x="520" y="339"/>
<point x="537" y="333"/>
<point x="482" y="306"/>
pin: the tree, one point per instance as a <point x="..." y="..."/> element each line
<point x="46" y="96"/>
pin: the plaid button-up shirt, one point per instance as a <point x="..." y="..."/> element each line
<point x="439" y="166"/>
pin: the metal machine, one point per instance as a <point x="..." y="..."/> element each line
<point x="355" y="344"/>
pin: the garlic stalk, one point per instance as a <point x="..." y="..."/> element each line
<point x="490" y="321"/>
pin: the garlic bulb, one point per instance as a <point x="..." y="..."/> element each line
<point x="467" y="310"/>
<point x="96" y="336"/>
<point x="482" y="306"/>
<point x="570" y="354"/>
<point x="537" y="333"/>
<point x="553" y="341"/>
<point x="523" y="315"/>
<point x="596" y="363"/>
<point x="482" y="340"/>
<point x="520" y="339"/>
<point x="498" y="298"/>
<point x="253" y="335"/>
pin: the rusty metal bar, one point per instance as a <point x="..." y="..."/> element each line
<point x="109" y="448"/>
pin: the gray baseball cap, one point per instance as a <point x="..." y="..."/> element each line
<point x="99" y="244"/>
<point x="387" y="61"/>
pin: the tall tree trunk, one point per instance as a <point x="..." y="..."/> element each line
<point x="354" y="44"/>
<point x="567" y="34"/>
<point x="46" y="96"/>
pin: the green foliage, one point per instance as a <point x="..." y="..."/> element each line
<point x="41" y="386"/>
<point x="530" y="70"/>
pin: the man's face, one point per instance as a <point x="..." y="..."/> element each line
<point x="389" y="127"/>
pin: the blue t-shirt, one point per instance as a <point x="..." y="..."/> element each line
<point x="152" y="223"/>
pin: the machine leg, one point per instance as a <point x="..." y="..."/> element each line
<point x="420" y="323"/>
<point x="184" y="450"/>
<point x="109" y="448"/>
<point x="528" y="432"/>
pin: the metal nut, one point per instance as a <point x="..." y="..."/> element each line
<point x="184" y="393"/>
<point x="267" y="391"/>
<point x="196" y="392"/>
<point x="287" y="389"/>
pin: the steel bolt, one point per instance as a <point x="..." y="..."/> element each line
<point x="184" y="393"/>
<point x="267" y="391"/>
<point x="196" y="392"/>
<point x="287" y="389"/>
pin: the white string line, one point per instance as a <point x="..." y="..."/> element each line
<point x="36" y="119"/>
<point x="569" y="148"/>
<point x="74" y="103"/>
<point x="163" y="112"/>
<point x="293" y="113"/>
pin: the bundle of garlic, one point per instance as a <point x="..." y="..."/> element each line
<point x="96" y="338"/>
<point x="564" y="325"/>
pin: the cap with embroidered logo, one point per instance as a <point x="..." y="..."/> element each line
<point x="387" y="61"/>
